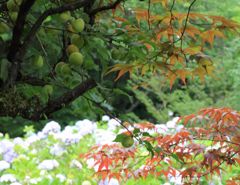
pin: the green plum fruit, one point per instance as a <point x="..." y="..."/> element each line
<point x="78" y="25"/>
<point x="58" y="67"/>
<point x="71" y="49"/>
<point x="38" y="61"/>
<point x="128" y="142"/>
<point x="66" y="16"/>
<point x="4" y="28"/>
<point x="13" y="5"/>
<point x="76" y="59"/>
<point x="13" y="16"/>
<point x="48" y="89"/>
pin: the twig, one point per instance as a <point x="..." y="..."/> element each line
<point x="149" y="15"/>
<point x="186" y="22"/>
<point x="172" y="17"/>
<point x="107" y="7"/>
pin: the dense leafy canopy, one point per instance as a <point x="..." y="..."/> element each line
<point x="68" y="48"/>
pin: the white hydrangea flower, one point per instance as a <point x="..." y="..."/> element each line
<point x="171" y="124"/>
<point x="161" y="128"/>
<point x="105" y="118"/>
<point x="41" y="135"/>
<point x="16" y="183"/>
<point x="33" y="181"/>
<point x="113" y="124"/>
<point x="8" y="178"/>
<point x="43" y="172"/>
<point x="27" y="178"/>
<point x="216" y="147"/>
<point x="104" y="136"/>
<point x="4" y="165"/>
<point x="9" y="156"/>
<point x="109" y="182"/>
<point x="90" y="162"/>
<point x="61" y="177"/>
<point x="85" y="127"/>
<point x="175" y="119"/>
<point x="32" y="139"/>
<point x="179" y="128"/>
<point x="177" y="179"/>
<point x="75" y="163"/>
<point x="18" y="140"/>
<point x="48" y="165"/>
<point x="5" y="146"/>
<point x="57" y="150"/>
<point x="69" y="138"/>
<point x="170" y="113"/>
<point x="51" y="127"/>
<point x="71" y="129"/>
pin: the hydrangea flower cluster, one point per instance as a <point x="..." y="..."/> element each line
<point x="51" y="156"/>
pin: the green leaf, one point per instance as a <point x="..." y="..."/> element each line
<point x="136" y="131"/>
<point x="120" y="138"/>
<point x="121" y="92"/>
<point x="149" y="148"/>
<point x="146" y="134"/>
<point x="126" y="140"/>
<point x="176" y="158"/>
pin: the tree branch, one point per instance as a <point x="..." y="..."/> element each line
<point x="18" y="28"/>
<point x="65" y="99"/>
<point x="16" y="40"/>
<point x="104" y="8"/>
<point x="49" y="12"/>
<point x="186" y="21"/>
<point x="33" y="81"/>
<point x="17" y="49"/>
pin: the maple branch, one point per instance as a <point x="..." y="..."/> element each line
<point x="217" y="166"/>
<point x="108" y="113"/>
<point x="186" y="22"/>
<point x="184" y="29"/>
<point x="172" y="16"/>
<point x="214" y="140"/>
